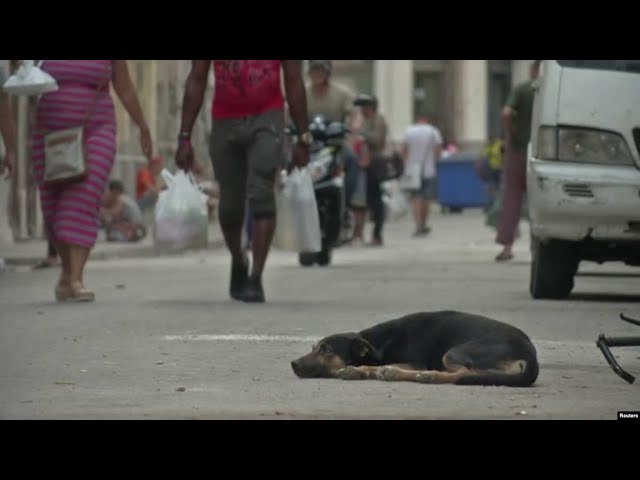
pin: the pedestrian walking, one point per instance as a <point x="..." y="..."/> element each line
<point x="71" y="210"/>
<point x="246" y="149"/>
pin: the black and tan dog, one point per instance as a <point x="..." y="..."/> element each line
<point x="431" y="347"/>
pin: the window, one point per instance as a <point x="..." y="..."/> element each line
<point x="428" y="98"/>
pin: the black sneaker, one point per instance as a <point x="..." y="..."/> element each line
<point x="253" y="292"/>
<point x="239" y="277"/>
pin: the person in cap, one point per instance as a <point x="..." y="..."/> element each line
<point x="326" y="97"/>
<point x="334" y="102"/>
<point x="374" y="133"/>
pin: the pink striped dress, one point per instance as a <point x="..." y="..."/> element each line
<point x="71" y="212"/>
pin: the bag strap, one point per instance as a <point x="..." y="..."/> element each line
<point x="105" y="82"/>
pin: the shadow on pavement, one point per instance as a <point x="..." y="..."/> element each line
<point x="605" y="297"/>
<point x="608" y="274"/>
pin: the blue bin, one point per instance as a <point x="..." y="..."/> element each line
<point x="458" y="183"/>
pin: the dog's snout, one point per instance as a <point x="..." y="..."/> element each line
<point x="295" y="364"/>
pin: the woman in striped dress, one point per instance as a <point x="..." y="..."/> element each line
<point x="71" y="211"/>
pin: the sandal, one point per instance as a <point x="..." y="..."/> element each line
<point x="62" y="291"/>
<point x="74" y="292"/>
<point x="504" y="257"/>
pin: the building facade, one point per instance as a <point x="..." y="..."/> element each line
<point x="160" y="85"/>
<point x="160" y="88"/>
<point x="462" y="97"/>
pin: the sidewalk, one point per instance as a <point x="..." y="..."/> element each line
<point x="31" y="252"/>
<point x="463" y="232"/>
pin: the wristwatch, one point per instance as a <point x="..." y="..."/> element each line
<point x="306" y="139"/>
<point x="184" y="137"/>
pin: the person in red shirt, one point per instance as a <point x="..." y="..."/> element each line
<point x="147" y="188"/>
<point x="246" y="150"/>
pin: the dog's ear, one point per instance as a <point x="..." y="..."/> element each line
<point x="362" y="350"/>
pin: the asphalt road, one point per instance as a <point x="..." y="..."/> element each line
<point x="163" y="341"/>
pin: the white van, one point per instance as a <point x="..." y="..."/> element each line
<point x="583" y="174"/>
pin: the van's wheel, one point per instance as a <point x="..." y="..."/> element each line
<point x="324" y="257"/>
<point x="553" y="266"/>
<point x="307" y="259"/>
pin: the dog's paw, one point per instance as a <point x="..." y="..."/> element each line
<point x="388" y="374"/>
<point x="426" y="377"/>
<point x="350" y="373"/>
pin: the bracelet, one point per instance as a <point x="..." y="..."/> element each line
<point x="184" y="135"/>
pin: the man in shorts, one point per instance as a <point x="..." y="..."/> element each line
<point x="422" y="147"/>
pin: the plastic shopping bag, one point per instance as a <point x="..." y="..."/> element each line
<point x="29" y="79"/>
<point x="181" y="217"/>
<point x="284" y="236"/>
<point x="298" y="224"/>
<point x="395" y="200"/>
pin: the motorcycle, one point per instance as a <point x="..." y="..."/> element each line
<point x="327" y="173"/>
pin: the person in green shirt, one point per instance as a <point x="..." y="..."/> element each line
<point x="334" y="102"/>
<point x="517" y="125"/>
<point x="326" y="97"/>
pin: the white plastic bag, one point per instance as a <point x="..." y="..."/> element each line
<point x="395" y="200"/>
<point x="298" y="221"/>
<point x="284" y="236"/>
<point x="29" y="79"/>
<point x="181" y="217"/>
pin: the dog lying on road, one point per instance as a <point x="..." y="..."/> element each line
<point x="429" y="347"/>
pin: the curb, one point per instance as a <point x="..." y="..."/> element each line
<point x="139" y="252"/>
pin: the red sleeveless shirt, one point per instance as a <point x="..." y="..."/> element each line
<point x="246" y="88"/>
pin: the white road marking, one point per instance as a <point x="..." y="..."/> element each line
<point x="241" y="338"/>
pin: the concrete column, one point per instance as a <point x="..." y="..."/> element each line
<point x="122" y="117"/>
<point x="471" y="103"/>
<point x="520" y="71"/>
<point x="151" y="96"/>
<point x="393" y="85"/>
<point x="6" y="233"/>
<point x="21" y="167"/>
<point x="39" y="220"/>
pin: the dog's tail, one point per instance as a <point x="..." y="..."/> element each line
<point x="525" y="378"/>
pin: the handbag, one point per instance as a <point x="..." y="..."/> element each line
<point x="387" y="167"/>
<point x="387" y="164"/>
<point x="65" y="151"/>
